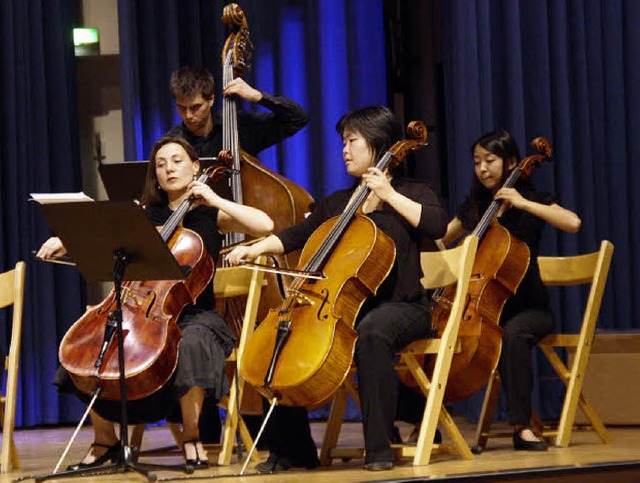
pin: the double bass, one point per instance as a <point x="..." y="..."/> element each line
<point x="500" y="265"/>
<point x="255" y="185"/>
<point x="301" y="353"/>
<point x="252" y="183"/>
<point x="150" y="310"/>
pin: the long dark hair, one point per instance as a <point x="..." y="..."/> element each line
<point x="152" y="194"/>
<point x="376" y="124"/>
<point x="499" y="143"/>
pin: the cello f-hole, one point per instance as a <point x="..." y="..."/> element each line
<point x="152" y="302"/>
<point x="325" y="299"/>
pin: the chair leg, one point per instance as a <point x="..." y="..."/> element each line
<point x="334" y="424"/>
<point x="460" y="444"/>
<point x="137" y="434"/>
<point x="9" y="458"/>
<point x="176" y="432"/>
<point x="489" y="405"/>
<point x="573" y="398"/>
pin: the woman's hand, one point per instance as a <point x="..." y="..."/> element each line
<point x="202" y="194"/>
<point x="241" y="254"/>
<point x="511" y="197"/>
<point x="52" y="248"/>
<point x="378" y="182"/>
<point x="248" y="253"/>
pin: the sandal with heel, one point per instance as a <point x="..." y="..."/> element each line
<point x="197" y="463"/>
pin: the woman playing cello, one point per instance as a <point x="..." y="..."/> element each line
<point x="207" y="339"/>
<point x="405" y="210"/>
<point x="526" y="317"/>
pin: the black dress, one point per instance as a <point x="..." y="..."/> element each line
<point x="207" y="341"/>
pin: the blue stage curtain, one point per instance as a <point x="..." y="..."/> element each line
<point x="569" y="71"/>
<point x="39" y="152"/>
<point x="328" y="55"/>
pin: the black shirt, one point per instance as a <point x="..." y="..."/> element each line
<point x="403" y="283"/>
<point x="204" y="221"/>
<point x="526" y="227"/>
<point x="256" y="130"/>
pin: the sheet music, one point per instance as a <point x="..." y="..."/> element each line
<point x="46" y="198"/>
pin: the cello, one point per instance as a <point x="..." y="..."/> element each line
<point x="500" y="265"/>
<point x="150" y="310"/>
<point x="301" y="353"/>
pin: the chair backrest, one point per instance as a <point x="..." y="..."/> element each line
<point x="446" y="267"/>
<point x="232" y="281"/>
<point x="591" y="268"/>
<point x="12" y="293"/>
<point x="236" y="281"/>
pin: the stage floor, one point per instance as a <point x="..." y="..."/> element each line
<point x="39" y="450"/>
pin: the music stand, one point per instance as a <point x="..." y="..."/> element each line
<point x="123" y="181"/>
<point x="113" y="241"/>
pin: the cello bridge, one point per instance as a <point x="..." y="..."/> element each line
<point x="300" y="298"/>
<point x="128" y="293"/>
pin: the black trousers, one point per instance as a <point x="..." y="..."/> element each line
<point x="521" y="334"/>
<point x="383" y="331"/>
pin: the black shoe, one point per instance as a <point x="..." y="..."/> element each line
<point x="413" y="437"/>
<point x="524" y="445"/>
<point x="112" y="454"/>
<point x="275" y="463"/>
<point x="396" y="438"/>
<point x="379" y="466"/>
<point x="197" y="463"/>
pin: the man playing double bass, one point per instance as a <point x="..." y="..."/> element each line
<point x="192" y="88"/>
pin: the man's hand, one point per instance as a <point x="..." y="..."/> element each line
<point x="240" y="88"/>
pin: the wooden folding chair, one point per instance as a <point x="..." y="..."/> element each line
<point x="11" y="293"/>
<point x="441" y="269"/>
<point x="592" y="268"/>
<point x="228" y="282"/>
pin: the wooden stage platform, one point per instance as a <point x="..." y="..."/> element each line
<point x="586" y="460"/>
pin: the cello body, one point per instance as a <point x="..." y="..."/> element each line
<point x="150" y="311"/>
<point x="500" y="265"/>
<point x="319" y="350"/>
